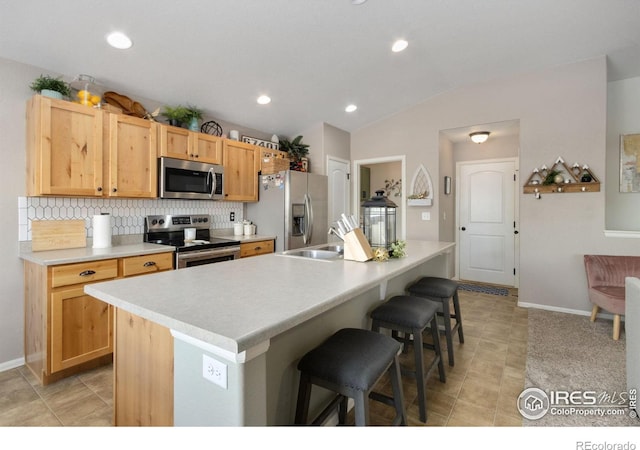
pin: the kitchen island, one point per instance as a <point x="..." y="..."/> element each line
<point x="254" y="318"/>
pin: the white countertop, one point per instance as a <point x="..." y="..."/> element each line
<point x="243" y="238"/>
<point x="82" y="254"/>
<point x="236" y="305"/>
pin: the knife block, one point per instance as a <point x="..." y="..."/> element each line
<point x="356" y="246"/>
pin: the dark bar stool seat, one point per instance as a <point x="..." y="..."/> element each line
<point x="350" y="363"/>
<point x="412" y="316"/>
<point x="440" y="290"/>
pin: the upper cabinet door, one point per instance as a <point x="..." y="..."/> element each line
<point x="64" y="148"/>
<point x="207" y="148"/>
<point x="241" y="166"/>
<point x="175" y="142"/>
<point x="131" y="160"/>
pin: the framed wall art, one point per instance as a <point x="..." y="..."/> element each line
<point x="630" y="163"/>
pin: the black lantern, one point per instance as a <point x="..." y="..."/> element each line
<point x="379" y="221"/>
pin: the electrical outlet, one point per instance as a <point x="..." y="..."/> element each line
<point x="232" y="216"/>
<point x="426" y="216"/>
<point x="214" y="371"/>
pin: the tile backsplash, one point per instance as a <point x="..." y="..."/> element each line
<point x="128" y="214"/>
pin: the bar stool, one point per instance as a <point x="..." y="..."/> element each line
<point x="350" y="363"/>
<point x="441" y="290"/>
<point x="411" y="316"/>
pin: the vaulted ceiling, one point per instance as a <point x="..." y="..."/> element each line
<point x="313" y="57"/>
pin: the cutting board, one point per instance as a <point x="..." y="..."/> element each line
<point x="57" y="234"/>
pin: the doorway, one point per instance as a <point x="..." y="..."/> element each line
<point x="487" y="227"/>
<point x="400" y="200"/>
<point x="339" y="192"/>
<point x="457" y="150"/>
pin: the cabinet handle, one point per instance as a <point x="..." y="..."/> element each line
<point x="99" y="189"/>
<point x="114" y="190"/>
<point x="258" y="248"/>
<point x="149" y="264"/>
<point x="86" y="273"/>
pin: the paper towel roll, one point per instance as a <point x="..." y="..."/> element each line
<point x="102" y="231"/>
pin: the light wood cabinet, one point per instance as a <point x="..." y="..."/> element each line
<point x="130" y="157"/>
<point x="256" y="248"/>
<point x="181" y="143"/>
<point x="241" y="167"/>
<point x="67" y="331"/>
<point x="64" y="148"/>
<point x="75" y="150"/>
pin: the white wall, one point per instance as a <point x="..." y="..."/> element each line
<point x="325" y="140"/>
<point x="562" y="112"/>
<point x="623" y="111"/>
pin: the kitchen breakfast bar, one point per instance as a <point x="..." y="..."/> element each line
<point x="249" y="321"/>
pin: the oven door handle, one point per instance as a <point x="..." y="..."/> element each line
<point x="184" y="258"/>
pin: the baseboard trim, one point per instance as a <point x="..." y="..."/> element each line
<point x="577" y="312"/>
<point x="8" y="365"/>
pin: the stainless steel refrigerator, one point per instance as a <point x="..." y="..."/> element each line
<point x="292" y="206"/>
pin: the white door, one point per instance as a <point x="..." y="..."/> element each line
<point x="338" y="174"/>
<point x="486" y="222"/>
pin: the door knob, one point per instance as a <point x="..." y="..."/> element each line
<point x="463" y="228"/>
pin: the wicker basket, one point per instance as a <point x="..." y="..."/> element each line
<point x="273" y="161"/>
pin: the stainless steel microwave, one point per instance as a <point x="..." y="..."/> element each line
<point x="193" y="180"/>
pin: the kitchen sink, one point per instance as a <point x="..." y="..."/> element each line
<point x="332" y="248"/>
<point x="315" y="253"/>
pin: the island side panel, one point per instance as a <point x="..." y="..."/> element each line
<point x="199" y="402"/>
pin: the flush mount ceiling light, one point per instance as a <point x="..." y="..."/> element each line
<point x="357" y="2"/>
<point x="264" y="99"/>
<point x="351" y="108"/>
<point x="479" y="136"/>
<point x="119" y="40"/>
<point x="399" y="45"/>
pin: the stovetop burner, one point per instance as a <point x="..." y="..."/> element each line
<point x="169" y="230"/>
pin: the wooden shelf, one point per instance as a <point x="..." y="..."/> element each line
<point x="560" y="188"/>
<point x="571" y="176"/>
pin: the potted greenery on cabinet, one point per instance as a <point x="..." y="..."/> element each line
<point x="297" y="153"/>
<point x="176" y="115"/>
<point x="192" y="117"/>
<point x="50" y="87"/>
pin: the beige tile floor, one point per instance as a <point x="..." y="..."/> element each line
<point x="481" y="388"/>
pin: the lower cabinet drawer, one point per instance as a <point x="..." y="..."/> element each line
<point x="256" y="248"/>
<point x="85" y="272"/>
<point x="138" y="265"/>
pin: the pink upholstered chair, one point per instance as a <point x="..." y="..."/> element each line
<point x="606" y="282"/>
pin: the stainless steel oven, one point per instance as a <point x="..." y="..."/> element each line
<point x="203" y="249"/>
<point x="201" y="257"/>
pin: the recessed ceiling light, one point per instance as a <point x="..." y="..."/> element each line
<point x="357" y="2"/>
<point x="399" y="45"/>
<point x="351" y="108"/>
<point x="264" y="99"/>
<point x="119" y="40"/>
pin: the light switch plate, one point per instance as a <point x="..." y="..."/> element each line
<point x="426" y="215"/>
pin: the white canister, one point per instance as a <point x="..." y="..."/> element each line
<point x="233" y="134"/>
<point x="189" y="234"/>
<point x="249" y="229"/>
<point x="238" y="229"/>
